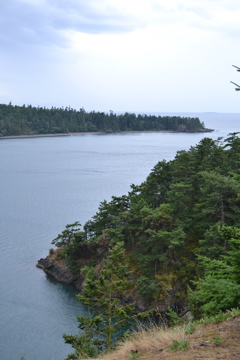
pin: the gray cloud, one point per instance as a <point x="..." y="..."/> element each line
<point x="23" y="24"/>
<point x="26" y="23"/>
<point x="85" y="17"/>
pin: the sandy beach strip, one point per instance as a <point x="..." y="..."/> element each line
<point x="101" y="133"/>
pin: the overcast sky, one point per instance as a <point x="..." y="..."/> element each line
<point x="121" y="55"/>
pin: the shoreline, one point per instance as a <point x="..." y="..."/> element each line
<point x="102" y="133"/>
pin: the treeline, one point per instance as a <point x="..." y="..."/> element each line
<point x="29" y="120"/>
<point x="180" y="230"/>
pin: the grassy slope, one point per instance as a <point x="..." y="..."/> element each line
<point x="208" y="341"/>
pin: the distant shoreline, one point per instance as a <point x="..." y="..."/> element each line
<point x="101" y="133"/>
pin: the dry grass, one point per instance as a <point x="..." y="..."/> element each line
<point x="146" y="340"/>
<point x="209" y="342"/>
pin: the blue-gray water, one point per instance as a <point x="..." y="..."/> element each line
<point x="46" y="183"/>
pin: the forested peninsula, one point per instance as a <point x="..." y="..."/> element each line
<point x="172" y="245"/>
<point x="28" y="120"/>
<point x="179" y="226"/>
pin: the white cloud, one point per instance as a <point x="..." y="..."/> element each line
<point x="121" y="55"/>
<point x="42" y="22"/>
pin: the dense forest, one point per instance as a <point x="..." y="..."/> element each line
<point x="179" y="230"/>
<point x="170" y="223"/>
<point x="28" y="120"/>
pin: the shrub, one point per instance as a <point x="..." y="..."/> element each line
<point x="179" y="345"/>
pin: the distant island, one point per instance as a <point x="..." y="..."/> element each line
<point x="28" y="120"/>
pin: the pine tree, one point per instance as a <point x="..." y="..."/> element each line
<point x="219" y="287"/>
<point x="103" y="295"/>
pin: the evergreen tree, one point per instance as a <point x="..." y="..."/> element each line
<point x="218" y="198"/>
<point x="104" y="295"/>
<point x="68" y="235"/>
<point x="218" y="289"/>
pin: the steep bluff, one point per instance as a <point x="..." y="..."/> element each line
<point x="55" y="266"/>
<point x="59" y="270"/>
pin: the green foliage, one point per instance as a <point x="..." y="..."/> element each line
<point x="155" y="188"/>
<point x="68" y="236"/>
<point x="214" y="319"/>
<point x="179" y="345"/>
<point x="134" y="354"/>
<point x="89" y="271"/>
<point x="174" y="318"/>
<point x="85" y="343"/>
<point x="148" y="288"/>
<point x="218" y="197"/>
<point x="218" y="340"/>
<point x="219" y="317"/>
<point x="219" y="288"/>
<point x="214" y="295"/>
<point x="179" y="228"/>
<point x="213" y="244"/>
<point x="190" y="327"/>
<point x="103" y="295"/>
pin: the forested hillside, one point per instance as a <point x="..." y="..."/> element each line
<point x="184" y="216"/>
<point x="28" y="120"/>
<point x="178" y="233"/>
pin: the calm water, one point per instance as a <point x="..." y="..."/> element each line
<point x="51" y="181"/>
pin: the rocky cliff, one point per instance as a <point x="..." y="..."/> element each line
<point x="56" y="267"/>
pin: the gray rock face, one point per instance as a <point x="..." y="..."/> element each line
<point x="60" y="272"/>
<point x="56" y="267"/>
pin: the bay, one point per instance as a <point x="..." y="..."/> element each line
<point x="46" y="183"/>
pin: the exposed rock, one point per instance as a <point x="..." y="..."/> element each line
<point x="54" y="265"/>
<point x="59" y="271"/>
